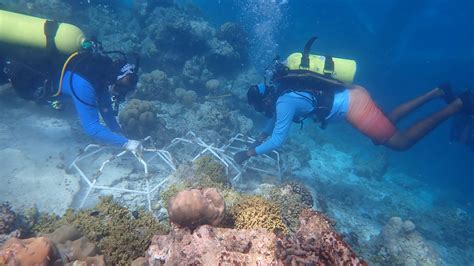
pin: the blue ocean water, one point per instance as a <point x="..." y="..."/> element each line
<point x="403" y="49"/>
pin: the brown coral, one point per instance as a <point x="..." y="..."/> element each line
<point x="194" y="207"/>
<point x="256" y="212"/>
<point x="315" y="243"/>
<point x="139" y="120"/>
<point x="209" y="245"/>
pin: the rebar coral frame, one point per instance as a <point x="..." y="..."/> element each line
<point x="91" y="181"/>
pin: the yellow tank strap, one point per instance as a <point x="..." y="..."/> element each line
<point x="62" y="73"/>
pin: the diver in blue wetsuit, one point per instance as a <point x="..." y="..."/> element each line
<point x="90" y="81"/>
<point x="292" y="106"/>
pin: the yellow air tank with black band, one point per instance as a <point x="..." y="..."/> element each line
<point x="22" y="31"/>
<point x="343" y="69"/>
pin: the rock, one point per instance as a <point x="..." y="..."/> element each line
<point x="194" y="207"/>
<point x="31" y="251"/>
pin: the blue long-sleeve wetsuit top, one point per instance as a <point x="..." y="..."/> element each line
<point x="297" y="104"/>
<point x="91" y="102"/>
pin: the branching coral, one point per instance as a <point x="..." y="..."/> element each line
<point x="256" y="212"/>
<point x="206" y="167"/>
<point x="117" y="233"/>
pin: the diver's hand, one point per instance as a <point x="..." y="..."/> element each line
<point x="260" y="139"/>
<point x="133" y="145"/>
<point x="254" y="144"/>
<point x="242" y="156"/>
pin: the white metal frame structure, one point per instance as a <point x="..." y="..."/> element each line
<point x="224" y="155"/>
<point x="93" y="149"/>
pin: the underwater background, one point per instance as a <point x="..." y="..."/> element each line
<point x="402" y="49"/>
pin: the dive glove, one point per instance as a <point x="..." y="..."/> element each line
<point x="241" y="157"/>
<point x="133" y="145"/>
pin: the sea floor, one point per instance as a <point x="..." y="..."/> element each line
<point x="37" y="144"/>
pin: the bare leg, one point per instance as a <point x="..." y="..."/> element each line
<point x="406" y="108"/>
<point x="404" y="140"/>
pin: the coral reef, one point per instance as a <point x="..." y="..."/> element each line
<point x="236" y="36"/>
<point x="209" y="245"/>
<point x="207" y="167"/>
<point x="186" y="97"/>
<point x="154" y="86"/>
<point x="171" y="191"/>
<point x="139" y="119"/>
<point x="222" y="54"/>
<point x="315" y="243"/>
<point x="7" y="218"/>
<point x="194" y="207"/>
<point x="195" y="71"/>
<point x="302" y="190"/>
<point x="290" y="205"/>
<point x="212" y="85"/>
<point x="64" y="245"/>
<point x="400" y="243"/>
<point x="118" y="234"/>
<point x="256" y="212"/>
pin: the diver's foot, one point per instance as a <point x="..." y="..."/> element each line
<point x="447" y="92"/>
<point x="467" y="98"/>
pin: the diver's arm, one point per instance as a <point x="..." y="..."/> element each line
<point x="89" y="116"/>
<point x="284" y="118"/>
<point x="107" y="112"/>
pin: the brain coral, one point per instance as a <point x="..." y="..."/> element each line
<point x="256" y="212"/>
<point x="139" y="119"/>
<point x="154" y="86"/>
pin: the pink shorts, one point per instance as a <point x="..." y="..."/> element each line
<point x="366" y="116"/>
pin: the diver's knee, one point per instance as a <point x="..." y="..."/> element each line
<point x="399" y="142"/>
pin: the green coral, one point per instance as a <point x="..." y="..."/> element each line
<point x="256" y="212"/>
<point x="119" y="235"/>
<point x="206" y="166"/>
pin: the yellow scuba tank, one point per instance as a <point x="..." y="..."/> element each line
<point x="331" y="67"/>
<point x="22" y="31"/>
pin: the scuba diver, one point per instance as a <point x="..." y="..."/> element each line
<point x="93" y="79"/>
<point x="308" y="85"/>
